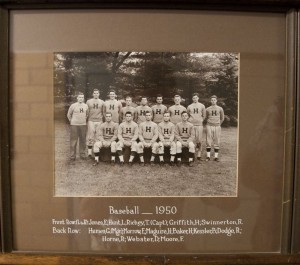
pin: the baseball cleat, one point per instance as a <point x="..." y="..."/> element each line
<point x="121" y="164"/>
<point x="179" y="163"/>
<point x="199" y="159"/>
<point x="217" y="159"/>
<point x="208" y="159"/>
<point x="172" y="164"/>
<point x="191" y="163"/>
<point x="96" y="163"/>
<point x="142" y="164"/>
<point x="130" y="164"/>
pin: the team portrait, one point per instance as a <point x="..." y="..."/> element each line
<point x="146" y="124"/>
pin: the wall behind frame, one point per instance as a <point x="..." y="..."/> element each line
<point x="257" y="37"/>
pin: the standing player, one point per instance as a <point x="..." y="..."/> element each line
<point x="197" y="114"/>
<point x="77" y="115"/>
<point x="148" y="135"/>
<point x="128" y="133"/>
<point x="176" y="110"/>
<point x="158" y="110"/>
<point x="106" y="136"/>
<point x="185" y="136"/>
<point x="166" y="132"/>
<point x="127" y="108"/>
<point x="141" y="110"/>
<point x="113" y="106"/>
<point x="95" y="118"/>
<point x="215" y="117"/>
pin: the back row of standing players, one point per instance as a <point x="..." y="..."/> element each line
<point x="99" y="124"/>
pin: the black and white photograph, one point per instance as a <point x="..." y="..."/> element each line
<point x="146" y="124"/>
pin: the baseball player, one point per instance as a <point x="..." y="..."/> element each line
<point x="215" y="117"/>
<point x="95" y="118"/>
<point x="176" y="110"/>
<point x="141" y="110"/>
<point x="127" y="108"/>
<point x="128" y="133"/>
<point x="185" y="136"/>
<point x="148" y="135"/>
<point x="197" y="114"/>
<point x="77" y="115"/>
<point x="166" y="133"/>
<point x="158" y="110"/>
<point x="113" y="106"/>
<point x="106" y="136"/>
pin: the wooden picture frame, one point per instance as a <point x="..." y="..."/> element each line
<point x="289" y="243"/>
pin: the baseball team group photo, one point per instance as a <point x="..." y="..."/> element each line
<point x="146" y="124"/>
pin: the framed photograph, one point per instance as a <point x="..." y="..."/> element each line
<point x="131" y="130"/>
<point x="163" y="143"/>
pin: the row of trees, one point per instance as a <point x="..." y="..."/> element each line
<point x="148" y="74"/>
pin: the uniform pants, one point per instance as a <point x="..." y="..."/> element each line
<point x="162" y="145"/>
<point x="77" y="132"/>
<point x="191" y="147"/>
<point x="213" y="134"/>
<point x="99" y="144"/>
<point x="133" y="145"/>
<point x="91" y="132"/>
<point x="141" y="146"/>
<point x="198" y="134"/>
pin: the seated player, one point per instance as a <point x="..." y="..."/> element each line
<point x="106" y="136"/>
<point x="148" y="135"/>
<point x="185" y="136"/>
<point x="166" y="133"/>
<point x="128" y="133"/>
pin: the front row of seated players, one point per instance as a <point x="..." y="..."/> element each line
<point x="149" y="135"/>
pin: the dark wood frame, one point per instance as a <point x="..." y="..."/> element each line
<point x="296" y="205"/>
<point x="289" y="7"/>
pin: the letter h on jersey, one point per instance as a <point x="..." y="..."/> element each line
<point x="108" y="131"/>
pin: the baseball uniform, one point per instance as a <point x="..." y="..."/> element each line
<point x="158" y="111"/>
<point x="113" y="106"/>
<point x="175" y="113"/>
<point x="95" y="118"/>
<point x="141" y="113"/>
<point x="215" y="116"/>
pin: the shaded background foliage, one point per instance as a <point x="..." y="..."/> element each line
<point x="148" y="74"/>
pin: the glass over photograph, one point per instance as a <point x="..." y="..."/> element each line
<point x="146" y="124"/>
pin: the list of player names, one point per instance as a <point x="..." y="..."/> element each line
<point x="148" y="230"/>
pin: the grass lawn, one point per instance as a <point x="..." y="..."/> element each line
<point x="204" y="179"/>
